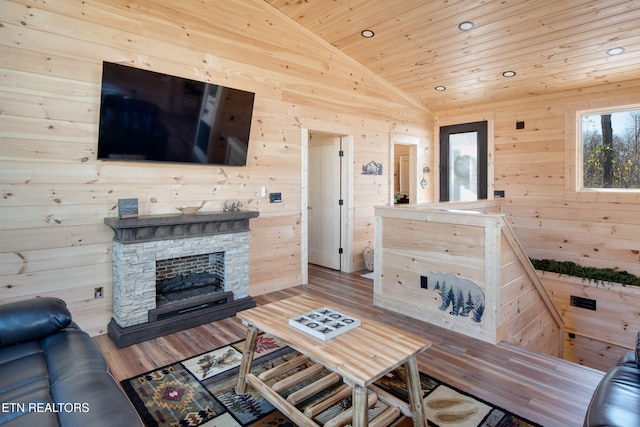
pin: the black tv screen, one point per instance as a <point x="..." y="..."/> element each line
<point x="149" y="116"/>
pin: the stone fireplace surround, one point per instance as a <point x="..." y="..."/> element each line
<point x="140" y="242"/>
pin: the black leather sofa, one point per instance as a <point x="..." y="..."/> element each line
<point x="616" y="400"/>
<point x="52" y="373"/>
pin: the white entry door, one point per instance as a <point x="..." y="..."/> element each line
<point x="324" y="208"/>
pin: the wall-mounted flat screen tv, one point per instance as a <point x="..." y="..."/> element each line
<point x="149" y="116"/>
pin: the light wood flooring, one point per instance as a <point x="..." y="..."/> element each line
<point x="545" y="389"/>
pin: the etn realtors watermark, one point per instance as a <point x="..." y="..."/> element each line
<point x="81" y="408"/>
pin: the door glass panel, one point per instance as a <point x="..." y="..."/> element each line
<point x="463" y="162"/>
<point x="463" y="166"/>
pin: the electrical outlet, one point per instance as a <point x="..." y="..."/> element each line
<point x="424" y="282"/>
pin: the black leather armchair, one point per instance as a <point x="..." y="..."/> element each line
<point x="616" y="400"/>
<point x="52" y="373"/>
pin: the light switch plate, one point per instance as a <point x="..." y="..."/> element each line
<point x="275" y="197"/>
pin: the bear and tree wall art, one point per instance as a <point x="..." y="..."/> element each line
<point x="464" y="297"/>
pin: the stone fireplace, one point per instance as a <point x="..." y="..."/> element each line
<point x="173" y="272"/>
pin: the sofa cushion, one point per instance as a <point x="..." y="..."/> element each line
<point x="97" y="398"/>
<point x="14" y="352"/>
<point x="638" y="350"/>
<point x="39" y="419"/>
<point x="24" y="378"/>
<point x="17" y="373"/>
<point x="71" y="352"/>
<point x="615" y="401"/>
<point x="32" y="319"/>
<point x="628" y="358"/>
<point x="22" y="401"/>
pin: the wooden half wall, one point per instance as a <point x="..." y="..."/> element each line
<point x="601" y="319"/>
<point x="463" y="270"/>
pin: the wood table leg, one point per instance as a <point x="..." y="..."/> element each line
<point x="247" y="359"/>
<point x="415" y="392"/>
<point x="360" y="407"/>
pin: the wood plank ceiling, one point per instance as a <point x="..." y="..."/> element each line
<point x="551" y="45"/>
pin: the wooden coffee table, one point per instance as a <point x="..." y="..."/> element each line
<point x="359" y="357"/>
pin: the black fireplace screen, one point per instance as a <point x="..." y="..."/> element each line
<point x="189" y="277"/>
<point x="187" y="286"/>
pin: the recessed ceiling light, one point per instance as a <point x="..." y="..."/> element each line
<point x="509" y="73"/>
<point x="367" y="34"/>
<point x="466" y="25"/>
<point x="615" y="51"/>
<point x="440" y="88"/>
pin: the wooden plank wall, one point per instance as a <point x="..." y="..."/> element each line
<point x="411" y="248"/>
<point x="596" y="338"/>
<point x="523" y="318"/>
<point x="56" y="194"/>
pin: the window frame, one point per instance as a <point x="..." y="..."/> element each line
<point x="574" y="189"/>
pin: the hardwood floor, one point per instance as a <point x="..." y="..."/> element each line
<point x="545" y="389"/>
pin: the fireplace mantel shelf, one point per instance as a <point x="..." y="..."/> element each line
<point x="163" y="227"/>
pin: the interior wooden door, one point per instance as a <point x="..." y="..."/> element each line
<point x="324" y="208"/>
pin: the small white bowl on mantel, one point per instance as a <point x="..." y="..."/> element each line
<point x="188" y="210"/>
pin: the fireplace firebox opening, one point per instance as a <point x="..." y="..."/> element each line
<point x="188" y="277"/>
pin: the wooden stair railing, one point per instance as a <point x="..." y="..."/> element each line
<point x="517" y="249"/>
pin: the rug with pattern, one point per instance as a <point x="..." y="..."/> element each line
<point x="200" y="392"/>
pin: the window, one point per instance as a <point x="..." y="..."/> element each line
<point x="609" y="149"/>
<point x="463" y="162"/>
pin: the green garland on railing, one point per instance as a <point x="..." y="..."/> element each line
<point x="591" y="273"/>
